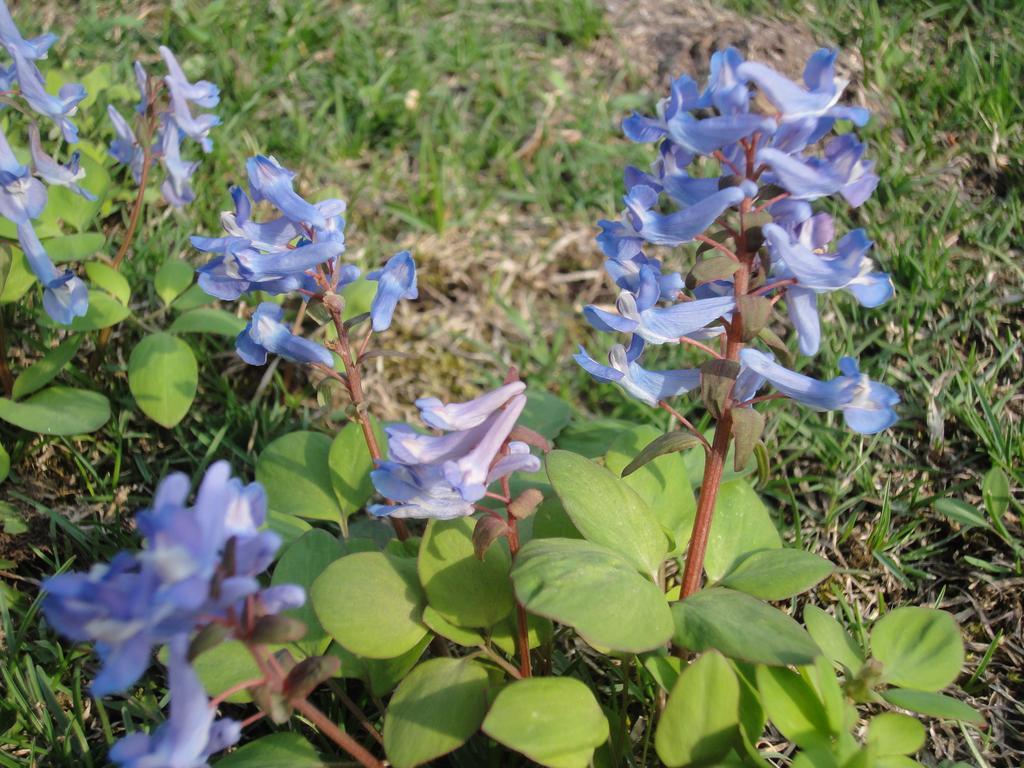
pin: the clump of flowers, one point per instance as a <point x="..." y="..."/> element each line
<point x="22" y="195"/>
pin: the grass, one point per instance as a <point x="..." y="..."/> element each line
<point x="484" y="135"/>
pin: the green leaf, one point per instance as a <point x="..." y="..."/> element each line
<point x="294" y="471"/>
<point x="932" y="704"/>
<point x="662" y="482"/>
<point x="434" y="711"/>
<point x="960" y="511"/>
<point x="777" y="574"/>
<point x="741" y="525"/>
<point x="551" y="522"/>
<point x="18" y="278"/>
<point x="46" y="369"/>
<point x="606" y="510"/>
<point x="545" y="413"/>
<point x="58" y="410"/>
<point x="192" y="298"/>
<point x="288" y="527"/>
<point x="995" y="490"/>
<point x="75" y="247"/>
<point x="5" y="463"/>
<point x="918" y="647"/>
<point x="226" y="665"/>
<point x="382" y="675"/>
<point x="302" y="562"/>
<point x="70" y="207"/>
<point x="218" y="322"/>
<point x="163" y="376"/>
<point x="891" y="733"/>
<point x="371" y="603"/>
<point x="741" y="627"/>
<point x="273" y="751"/>
<point x="464" y="590"/>
<point x="701" y="718"/>
<point x="468" y="638"/>
<point x="171" y="280"/>
<point x="590" y="437"/>
<point x="104" y="311"/>
<point x="539" y="630"/>
<point x="554" y="721"/>
<point x="110" y="280"/>
<point x="349" y="465"/>
<point x="594" y="590"/>
<point x="662" y="445"/>
<point x="834" y="641"/>
<point x="793" y="706"/>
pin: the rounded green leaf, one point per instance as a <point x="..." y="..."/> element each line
<point x="701" y="718"/>
<point x="17" y="277"/>
<point x="58" y="410"/>
<point x="590" y="437"/>
<point x="463" y="589"/>
<point x="545" y="413"/>
<point x="891" y="733"/>
<point x="275" y="750"/>
<point x="371" y="603"/>
<point x="434" y="710"/>
<point x="224" y="666"/>
<point x="793" y="706"/>
<point x="302" y="562"/>
<point x="777" y="574"/>
<point x="439" y="625"/>
<point x="834" y="641"/>
<point x="104" y="311"/>
<point x="46" y="369"/>
<point x="662" y="483"/>
<point x="741" y="627"/>
<point x="919" y="648"/>
<point x="933" y="704"/>
<point x="163" y="376"/>
<point x="554" y="721"/>
<point x="208" y="320"/>
<point x="594" y="590"/>
<point x="349" y="464"/>
<point x="606" y="510"/>
<point x="294" y="471"/>
<point x="109" y="279"/>
<point x="741" y="525"/>
<point x="78" y="247"/>
<point x="5" y="463"/>
<point x="171" y="280"/>
<point x="193" y="297"/>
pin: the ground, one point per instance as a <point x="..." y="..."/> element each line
<point x="484" y="137"/>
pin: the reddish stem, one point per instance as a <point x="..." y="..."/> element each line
<point x="242" y="686"/>
<point x="5" y="373"/>
<point x="717" y="246"/>
<point x="686" y="423"/>
<point x="523" y="630"/>
<point x="699" y="345"/>
<point x="335" y="734"/>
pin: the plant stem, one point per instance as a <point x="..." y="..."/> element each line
<point x="5" y="373"/>
<point x="354" y="382"/>
<point x="335" y="734"/>
<point x="522" y="628"/>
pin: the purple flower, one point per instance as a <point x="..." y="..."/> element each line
<point x="65" y="296"/>
<point x="269" y="181"/>
<point x="125" y="147"/>
<point x="842" y="170"/>
<point x="58" y="108"/>
<point x="396" y="280"/>
<point x="201" y="93"/>
<point x="177" y="185"/>
<point x="266" y="334"/>
<point x="11" y="39"/>
<point x="52" y="172"/>
<point x="190" y="735"/>
<point x="639" y="314"/>
<point x="142" y="83"/>
<point x="646" y="386"/>
<point x="441" y="476"/>
<point x="867" y="406"/>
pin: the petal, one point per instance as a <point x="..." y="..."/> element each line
<point x="666" y="325"/>
<point x="608" y="322"/>
<point x="595" y="369"/>
<point x="458" y="416"/>
<point x="821" y="395"/>
<point x="803" y="311"/>
<point x="872" y="289"/>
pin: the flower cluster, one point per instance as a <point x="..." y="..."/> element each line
<point x="170" y="125"/>
<point x="199" y="566"/>
<point x="22" y="195"/>
<point x="767" y="172"/>
<point x="442" y="476"/>
<point x="297" y="251"/>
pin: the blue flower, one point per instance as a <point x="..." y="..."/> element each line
<point x="196" y="128"/>
<point x="841" y="170"/>
<point x="65" y="296"/>
<point x="58" y="108"/>
<point x="395" y="281"/>
<point x="639" y="314"/>
<point x="125" y="147"/>
<point x="269" y="181"/>
<point x="819" y="97"/>
<point x="626" y="274"/>
<point x="646" y="386"/>
<point x="266" y="334"/>
<point x="190" y="735"/>
<point x="11" y="39"/>
<point x="867" y="406"/>
<point x="177" y="185"/>
<point x="201" y="93"/>
<point x="142" y="83"/>
<point x="441" y="476"/>
<point x="52" y="172"/>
